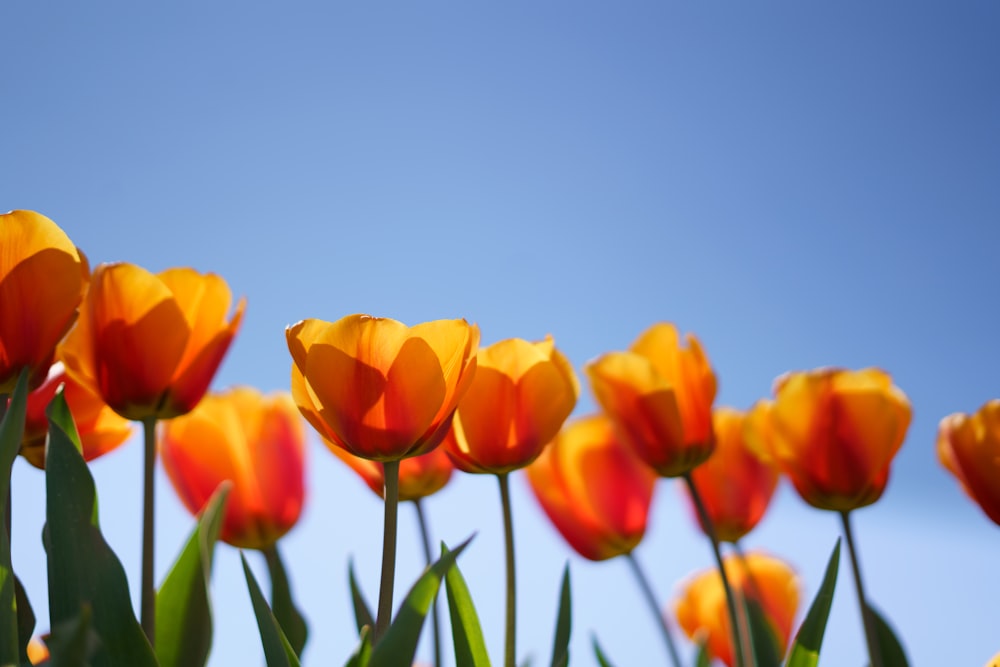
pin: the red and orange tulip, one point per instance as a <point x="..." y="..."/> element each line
<point x="419" y="476"/>
<point x="149" y="344"/>
<point x="255" y="442"/>
<point x="735" y="485"/>
<point x="38" y="652"/>
<point x="377" y="388"/>
<point x="835" y="433"/>
<point x="659" y="394"/>
<point x="594" y="489"/>
<point x="42" y="280"/>
<point x="522" y="393"/>
<point x="99" y="428"/>
<point x="969" y="447"/>
<point x="701" y="607"/>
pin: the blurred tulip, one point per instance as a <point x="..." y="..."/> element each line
<point x="255" y="442"/>
<point x="969" y="447"/>
<point x="994" y="661"/>
<point x="42" y="280"/>
<point x="660" y="396"/>
<point x="836" y="433"/>
<point x="522" y="393"/>
<point x="735" y="485"/>
<point x="593" y="488"/>
<point x="38" y="652"/>
<point x="419" y="476"/>
<point x="377" y="388"/>
<point x="150" y="344"/>
<point x="701" y="607"/>
<point x="99" y="428"/>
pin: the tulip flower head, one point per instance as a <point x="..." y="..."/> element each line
<point x="377" y="388"/>
<point x="522" y="393"/>
<point x="99" y="428"/>
<point x="969" y="447"/>
<point x="735" y="485"/>
<point x="594" y="489"/>
<point x="255" y="442"/>
<point x="835" y="433"/>
<point x="419" y="476"/>
<point x="149" y="344"/>
<point x="769" y="581"/>
<point x="659" y="395"/>
<point x="42" y="280"/>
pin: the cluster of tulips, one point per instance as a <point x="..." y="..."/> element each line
<point x="83" y="354"/>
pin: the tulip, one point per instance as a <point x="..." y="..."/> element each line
<point x="42" y="280"/>
<point x="969" y="447"/>
<point x="255" y="442"/>
<point x="594" y="489"/>
<point x="377" y="388"/>
<point x="520" y="397"/>
<point x="736" y="486"/>
<point x="660" y="396"/>
<point x="767" y="580"/>
<point x="38" y="652"/>
<point x="99" y="428"/>
<point x="419" y="476"/>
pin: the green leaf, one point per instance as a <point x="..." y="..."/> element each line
<point x="363" y="653"/>
<point x="72" y="642"/>
<point x="466" y="632"/>
<point x="183" y="607"/>
<point x="764" y="647"/>
<point x="889" y="646"/>
<point x="702" y="659"/>
<point x="399" y="644"/>
<point x="362" y="612"/>
<point x="277" y="651"/>
<point x="83" y="571"/>
<point x="564" y="622"/>
<point x="25" y="618"/>
<point x="602" y="660"/>
<point x="809" y="638"/>
<point x="11" y="432"/>
<point x="292" y="623"/>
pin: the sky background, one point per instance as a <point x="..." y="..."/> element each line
<point x="799" y="184"/>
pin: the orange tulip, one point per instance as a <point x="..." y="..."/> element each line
<point x="42" y="280"/>
<point x="735" y="485"/>
<point x="835" y="433"/>
<point x="520" y="397"/>
<point x="594" y="489"/>
<point x="99" y="428"/>
<point x="38" y="652"/>
<point x="150" y="344"/>
<point x="377" y="388"/>
<point x="701" y="607"/>
<point x="969" y="447"/>
<point x="255" y="442"/>
<point x="660" y="396"/>
<point x="419" y="476"/>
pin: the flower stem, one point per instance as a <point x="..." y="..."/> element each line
<point x="874" y="655"/>
<point x="654" y="606"/>
<point x="709" y="528"/>
<point x="425" y="537"/>
<point x="384" y="617"/>
<point x="148" y="592"/>
<point x="510" y="636"/>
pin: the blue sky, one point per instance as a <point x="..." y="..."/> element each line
<point x="800" y="184"/>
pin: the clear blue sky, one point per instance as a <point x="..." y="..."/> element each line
<point x="801" y="184"/>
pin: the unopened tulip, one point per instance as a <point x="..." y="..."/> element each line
<point x="969" y="447"/>
<point x="419" y="476"/>
<point x="255" y="442"/>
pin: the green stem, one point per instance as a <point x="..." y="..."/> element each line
<point x="425" y="536"/>
<point x="148" y="592"/>
<point x="510" y="636"/>
<point x="384" y="617"/>
<point x="706" y="524"/>
<point x="866" y="618"/>
<point x="654" y="606"/>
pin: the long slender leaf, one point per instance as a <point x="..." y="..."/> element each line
<point x="83" y="570"/>
<point x="277" y="651"/>
<point x="183" y="607"/>
<point x="73" y="642"/>
<point x="292" y="623"/>
<point x="399" y="644"/>
<point x="25" y="618"/>
<point x="564" y="623"/>
<point x="363" y="653"/>
<point x="602" y="660"/>
<point x="890" y="648"/>
<point x="763" y="642"/>
<point x="702" y="658"/>
<point x="11" y="432"/>
<point x="809" y="638"/>
<point x="467" y="633"/>
<point x="362" y="612"/>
